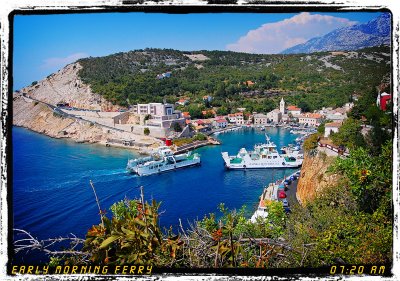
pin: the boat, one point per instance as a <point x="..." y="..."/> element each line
<point x="263" y="156"/>
<point x="163" y="160"/>
<point x="268" y="195"/>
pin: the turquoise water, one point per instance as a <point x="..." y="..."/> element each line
<point x="52" y="195"/>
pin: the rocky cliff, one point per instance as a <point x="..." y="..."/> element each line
<point x="314" y="177"/>
<point x="33" y="108"/>
<point x="65" y="86"/>
<point x="40" y="118"/>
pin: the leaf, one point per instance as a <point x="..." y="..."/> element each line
<point x="108" y="241"/>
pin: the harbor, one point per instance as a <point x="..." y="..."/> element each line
<point x="55" y="173"/>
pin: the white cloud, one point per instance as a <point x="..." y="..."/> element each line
<point x="272" y="38"/>
<point x="61" y="62"/>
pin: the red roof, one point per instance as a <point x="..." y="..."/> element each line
<point x="293" y="107"/>
<point x="220" y="120"/>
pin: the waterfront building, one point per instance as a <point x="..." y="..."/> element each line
<point x="311" y="119"/>
<point x="260" y="119"/>
<point x="220" y="123"/>
<point x="275" y="115"/>
<point x="332" y="127"/>
<point x="236" y="118"/>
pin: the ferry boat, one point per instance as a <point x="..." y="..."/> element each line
<point x="263" y="156"/>
<point x="162" y="161"/>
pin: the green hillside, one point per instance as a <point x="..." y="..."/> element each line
<point x="310" y="81"/>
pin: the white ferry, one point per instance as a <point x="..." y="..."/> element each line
<point x="264" y="156"/>
<point x="162" y="161"/>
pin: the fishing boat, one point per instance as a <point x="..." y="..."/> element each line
<point x="263" y="156"/>
<point x="162" y="161"/>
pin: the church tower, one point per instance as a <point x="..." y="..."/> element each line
<point x="282" y="106"/>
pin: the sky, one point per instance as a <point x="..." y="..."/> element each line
<point x="44" y="44"/>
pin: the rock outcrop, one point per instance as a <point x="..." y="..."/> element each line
<point x="314" y="177"/>
<point x="65" y="86"/>
<point x="40" y="118"/>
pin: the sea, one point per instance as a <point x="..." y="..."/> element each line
<point x="52" y="195"/>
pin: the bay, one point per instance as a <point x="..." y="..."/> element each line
<point x="52" y="196"/>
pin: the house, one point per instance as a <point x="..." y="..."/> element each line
<point x="260" y="119"/>
<point x="338" y="114"/>
<point x="234" y="117"/>
<point x="239" y="118"/>
<point x="210" y="112"/>
<point x="164" y="75"/>
<point x="186" y="115"/>
<point x="207" y="98"/>
<point x="249" y="83"/>
<point x="294" y="110"/>
<point x="275" y="116"/>
<point x="310" y="119"/>
<point x="220" y="123"/>
<point x="183" y="102"/>
<point x="332" y="127"/>
<point x="382" y="100"/>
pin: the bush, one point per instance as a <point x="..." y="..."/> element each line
<point x="146" y="131"/>
<point x="311" y="142"/>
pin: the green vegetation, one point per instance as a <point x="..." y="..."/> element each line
<point x="129" y="78"/>
<point x="349" y="134"/>
<point x="311" y="142"/>
<point x="146" y="131"/>
<point x="182" y="141"/>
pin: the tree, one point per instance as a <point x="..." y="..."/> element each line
<point x="177" y="127"/>
<point x="146" y="131"/>
<point x="311" y="142"/>
<point x="349" y="134"/>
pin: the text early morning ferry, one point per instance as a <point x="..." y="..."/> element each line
<point x="264" y="156"/>
<point x="162" y="161"/>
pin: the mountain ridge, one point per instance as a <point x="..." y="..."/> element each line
<point x="376" y="32"/>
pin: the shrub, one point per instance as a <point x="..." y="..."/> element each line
<point x="146" y="131"/>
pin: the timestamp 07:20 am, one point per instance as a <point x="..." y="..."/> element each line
<point x="358" y="269"/>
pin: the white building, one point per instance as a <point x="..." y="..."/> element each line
<point x="220" y="123"/>
<point x="275" y="115"/>
<point x="160" y="115"/>
<point x="332" y="127"/>
<point x="311" y="119"/>
<point x="260" y="119"/>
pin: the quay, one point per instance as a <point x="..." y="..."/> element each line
<point x="270" y="193"/>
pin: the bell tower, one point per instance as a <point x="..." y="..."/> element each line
<point x="282" y="106"/>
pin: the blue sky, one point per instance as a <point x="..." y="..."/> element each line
<point x="45" y="43"/>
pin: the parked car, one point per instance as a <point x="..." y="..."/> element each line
<point x="282" y="194"/>
<point x="285" y="203"/>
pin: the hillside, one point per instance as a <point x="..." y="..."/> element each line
<point x="373" y="33"/>
<point x="313" y="81"/>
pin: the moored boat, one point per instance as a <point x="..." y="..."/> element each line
<point x="263" y="156"/>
